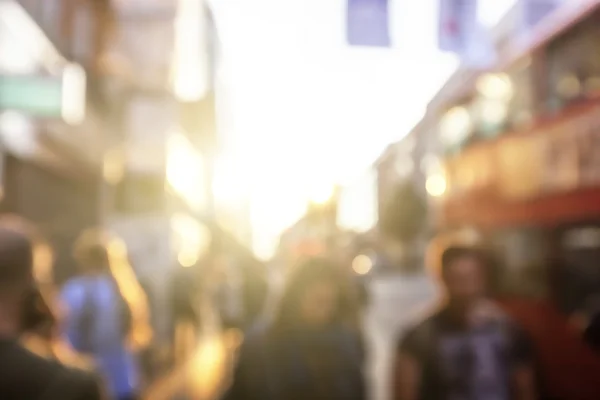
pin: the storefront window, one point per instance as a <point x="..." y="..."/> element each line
<point x="504" y="101"/>
<point x="580" y="275"/>
<point x="574" y="65"/>
<point x="490" y="109"/>
<point x="522" y="256"/>
<point x="520" y="105"/>
<point x="456" y="127"/>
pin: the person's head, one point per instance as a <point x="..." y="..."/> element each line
<point x="464" y="274"/>
<point x="91" y="251"/>
<point x="24" y="259"/>
<point x="314" y="296"/>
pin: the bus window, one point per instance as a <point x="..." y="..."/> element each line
<point x="574" y="65"/>
<point x="455" y="128"/>
<point x="580" y="273"/>
<point x="504" y="100"/>
<point x="520" y="105"/>
<point x="522" y="258"/>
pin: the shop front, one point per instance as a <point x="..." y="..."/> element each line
<point x="42" y="104"/>
<point x="61" y="206"/>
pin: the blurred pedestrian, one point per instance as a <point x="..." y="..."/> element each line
<point x="43" y="335"/>
<point x="107" y="314"/>
<point x="25" y="312"/>
<point x="468" y="348"/>
<point x="310" y="349"/>
<point x="186" y="294"/>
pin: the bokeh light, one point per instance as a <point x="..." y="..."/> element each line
<point x="362" y="264"/>
<point x="436" y="185"/>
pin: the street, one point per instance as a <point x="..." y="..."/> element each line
<point x="396" y="302"/>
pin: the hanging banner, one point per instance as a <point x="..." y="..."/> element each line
<point x="534" y="11"/>
<point x="368" y="23"/>
<point x="457" y="21"/>
<point x="461" y="33"/>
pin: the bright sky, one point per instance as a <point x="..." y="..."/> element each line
<point x="300" y="109"/>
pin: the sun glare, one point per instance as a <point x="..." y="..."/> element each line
<point x="321" y="194"/>
<point x="315" y="110"/>
<point x="185" y="170"/>
<point x="232" y="182"/>
<point x="190" y="239"/>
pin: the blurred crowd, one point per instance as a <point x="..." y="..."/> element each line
<point x="92" y="338"/>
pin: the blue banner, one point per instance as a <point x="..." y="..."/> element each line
<point x="368" y="23"/>
<point x="458" y="18"/>
<point x="534" y="11"/>
<point x="461" y="33"/>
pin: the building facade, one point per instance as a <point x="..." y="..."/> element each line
<point x="52" y="105"/>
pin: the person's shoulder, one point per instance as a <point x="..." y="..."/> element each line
<point x="76" y="384"/>
<point x="417" y="335"/>
<point x="67" y="382"/>
<point x="73" y="283"/>
<point x="19" y="356"/>
<point x="47" y="377"/>
<point x="427" y="320"/>
<point x="73" y="286"/>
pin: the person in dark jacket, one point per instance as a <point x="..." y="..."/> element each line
<point x="309" y="350"/>
<point x="469" y="348"/>
<point x="23" y="374"/>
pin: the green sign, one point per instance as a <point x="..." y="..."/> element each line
<point x="35" y="95"/>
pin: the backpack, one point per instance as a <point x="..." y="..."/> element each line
<point x="86" y="323"/>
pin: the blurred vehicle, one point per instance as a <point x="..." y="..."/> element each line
<point x="522" y="167"/>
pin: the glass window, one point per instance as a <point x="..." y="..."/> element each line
<point x="520" y="104"/>
<point x="456" y="127"/>
<point x="490" y="108"/>
<point x="574" y="65"/>
<point x="580" y="276"/>
<point x="522" y="262"/>
<point x="504" y="101"/>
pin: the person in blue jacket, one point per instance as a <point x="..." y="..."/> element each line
<point x="106" y="313"/>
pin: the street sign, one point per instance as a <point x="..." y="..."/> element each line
<point x="36" y="95"/>
<point x="60" y="97"/>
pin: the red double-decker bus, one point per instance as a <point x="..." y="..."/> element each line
<point x="522" y="166"/>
